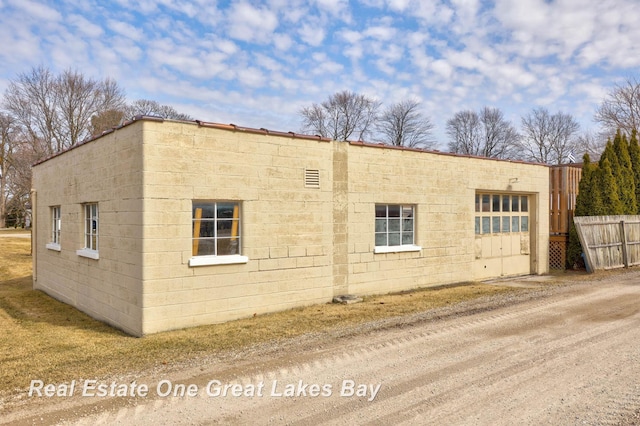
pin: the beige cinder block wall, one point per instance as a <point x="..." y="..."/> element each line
<point x="303" y="245"/>
<point x="286" y="228"/>
<point x="442" y="188"/>
<point x="107" y="171"/>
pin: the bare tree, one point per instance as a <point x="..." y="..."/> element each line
<point x="621" y="108"/>
<point x="500" y="137"/>
<point x="343" y="116"/>
<point x="149" y="107"/>
<point x="111" y="118"/>
<point x="31" y="101"/>
<point x="19" y="181"/>
<point x="590" y="143"/>
<point x="8" y="146"/>
<point x="57" y="109"/>
<point x="402" y="124"/>
<point x="464" y="133"/>
<point x="548" y="138"/>
<point x="79" y="99"/>
<point x="106" y="120"/>
<point x="485" y="134"/>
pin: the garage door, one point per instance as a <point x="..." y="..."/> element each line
<point x="502" y="242"/>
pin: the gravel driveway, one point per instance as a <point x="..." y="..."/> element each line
<point x="554" y="355"/>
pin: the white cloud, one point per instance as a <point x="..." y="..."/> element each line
<point x="323" y="65"/>
<point x="251" y="76"/>
<point x="183" y="59"/>
<point x="268" y="62"/>
<point x="431" y="12"/>
<point x="311" y="34"/>
<point x="125" y="29"/>
<point x="291" y="12"/>
<point x="419" y="57"/>
<point x="597" y="31"/>
<point x="19" y="44"/>
<point x="282" y="42"/>
<point x="279" y="82"/>
<point x="126" y="49"/>
<point x="391" y="52"/>
<point x="66" y="48"/>
<point x="35" y="11"/>
<point x="380" y="32"/>
<point x="249" y="23"/>
<point x="442" y="68"/>
<point x="351" y="36"/>
<point x="464" y="59"/>
<point x="263" y="59"/>
<point x="385" y="67"/>
<point x="338" y="8"/>
<point x="466" y="15"/>
<point x="399" y="5"/>
<point x="86" y="27"/>
<point x="354" y="52"/>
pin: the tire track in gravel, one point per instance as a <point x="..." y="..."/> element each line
<point x="562" y="347"/>
<point x="350" y="359"/>
<point x="549" y="359"/>
<point x="394" y="343"/>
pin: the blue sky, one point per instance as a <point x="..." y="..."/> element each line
<point x="256" y="63"/>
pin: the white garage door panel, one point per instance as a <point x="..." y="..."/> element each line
<point x="502" y="244"/>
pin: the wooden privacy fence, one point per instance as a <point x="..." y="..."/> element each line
<point x="609" y="241"/>
<point x="564" y="181"/>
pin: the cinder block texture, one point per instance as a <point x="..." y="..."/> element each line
<point x="302" y="243"/>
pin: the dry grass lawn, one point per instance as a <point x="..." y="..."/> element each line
<point x="44" y="339"/>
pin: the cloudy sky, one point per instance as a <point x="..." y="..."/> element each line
<point x="256" y="63"/>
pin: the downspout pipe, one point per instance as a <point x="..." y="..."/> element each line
<point x="34" y="233"/>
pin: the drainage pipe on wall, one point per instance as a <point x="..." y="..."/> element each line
<point x="34" y="216"/>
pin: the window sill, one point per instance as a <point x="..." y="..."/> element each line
<point x="91" y="254"/>
<point x="217" y="260"/>
<point x="53" y="246"/>
<point x="396" y="249"/>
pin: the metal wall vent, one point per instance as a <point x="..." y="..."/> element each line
<point x="312" y="178"/>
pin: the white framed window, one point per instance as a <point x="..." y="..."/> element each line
<point x="54" y="244"/>
<point x="501" y="213"/>
<point x="91" y="231"/>
<point x="395" y="228"/>
<point x="216" y="233"/>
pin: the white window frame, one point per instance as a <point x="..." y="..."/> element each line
<point x="54" y="244"/>
<point x="498" y="212"/>
<point x="91" y="218"/>
<point x="395" y="248"/>
<point x="215" y="259"/>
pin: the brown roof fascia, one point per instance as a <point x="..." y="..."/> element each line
<point x="261" y="131"/>
<point x="450" y="154"/>
<point x="106" y="132"/>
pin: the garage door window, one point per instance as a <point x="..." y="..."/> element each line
<point x="501" y="213"/>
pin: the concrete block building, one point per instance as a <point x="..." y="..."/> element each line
<point x="159" y="224"/>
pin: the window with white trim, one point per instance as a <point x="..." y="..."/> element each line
<point x="216" y="228"/>
<point x="395" y="228"/>
<point x="54" y="243"/>
<point x="55" y="225"/>
<point x="91" y="226"/>
<point x="501" y="213"/>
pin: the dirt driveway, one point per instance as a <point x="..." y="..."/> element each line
<point x="568" y="355"/>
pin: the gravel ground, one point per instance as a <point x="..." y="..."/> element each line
<point x="548" y="355"/>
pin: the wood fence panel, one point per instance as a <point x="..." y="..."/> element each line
<point x="609" y="241"/>
<point x="563" y="190"/>
<point x="633" y="242"/>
